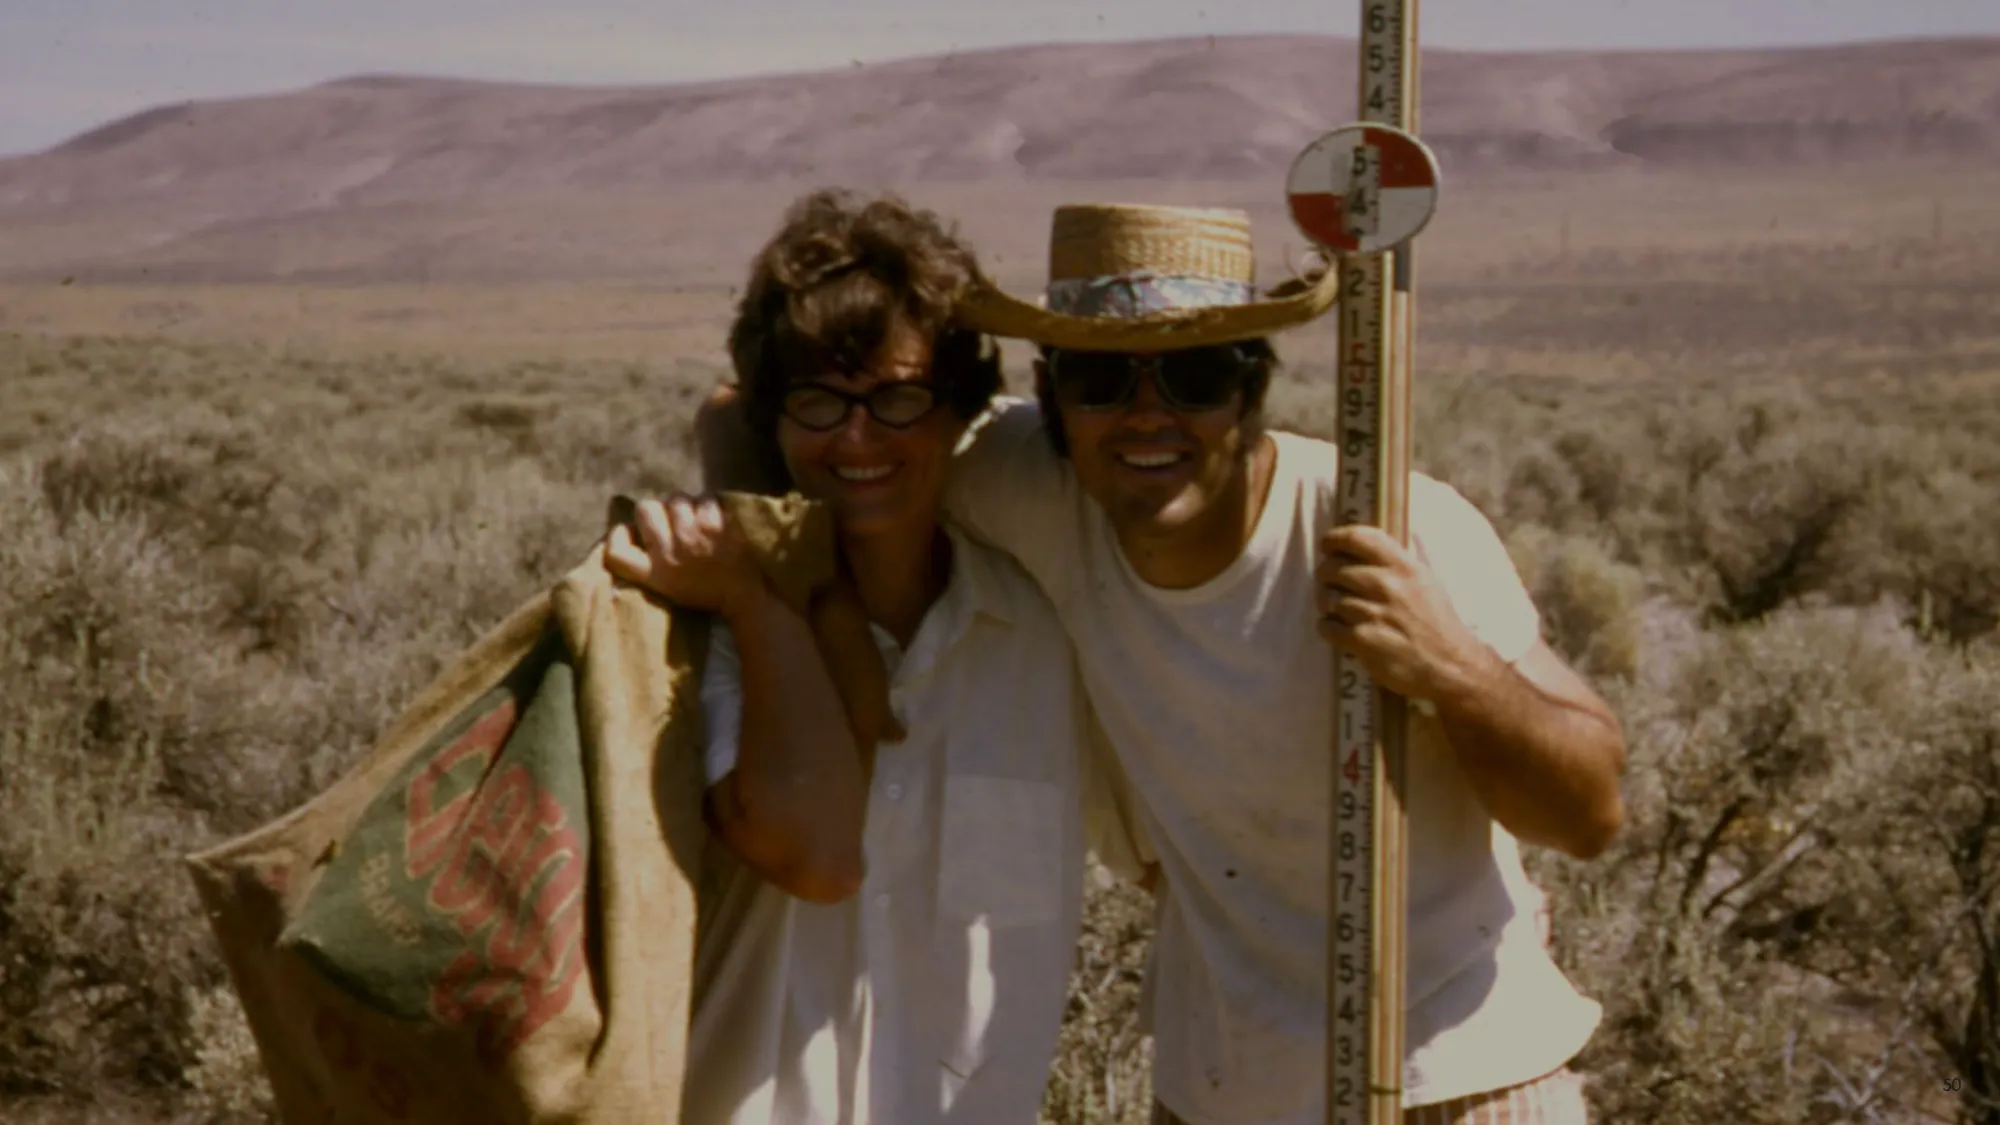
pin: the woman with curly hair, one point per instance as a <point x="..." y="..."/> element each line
<point x="900" y="948"/>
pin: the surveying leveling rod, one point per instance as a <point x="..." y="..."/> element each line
<point x="1368" y="912"/>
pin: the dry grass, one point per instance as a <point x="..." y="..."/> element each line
<point x="1754" y="495"/>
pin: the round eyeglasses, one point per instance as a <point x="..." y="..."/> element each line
<point x="898" y="404"/>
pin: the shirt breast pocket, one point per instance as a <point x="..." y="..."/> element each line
<point x="1001" y="855"/>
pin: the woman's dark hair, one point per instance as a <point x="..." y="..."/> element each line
<point x="1263" y="363"/>
<point x="827" y="291"/>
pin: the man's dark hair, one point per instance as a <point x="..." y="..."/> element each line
<point x="1263" y="360"/>
<point x="826" y="292"/>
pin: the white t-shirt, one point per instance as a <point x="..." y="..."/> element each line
<point x="935" y="993"/>
<point x="1217" y="702"/>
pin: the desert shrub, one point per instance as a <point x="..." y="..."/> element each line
<point x="1785" y="916"/>
<point x="227" y="567"/>
<point x="95" y="660"/>
<point x="208" y="607"/>
<point x="96" y="944"/>
<point x="1590" y="601"/>
<point x="1907" y="921"/>
<point x="226" y="1083"/>
<point x="1103" y="1072"/>
<point x="1761" y="520"/>
<point x="1930" y="539"/>
<point x="1738" y="499"/>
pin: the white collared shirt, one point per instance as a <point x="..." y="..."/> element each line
<point x="935" y="993"/>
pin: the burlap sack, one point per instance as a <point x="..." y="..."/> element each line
<point x="492" y="917"/>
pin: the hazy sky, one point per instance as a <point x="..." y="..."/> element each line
<point x="67" y="65"/>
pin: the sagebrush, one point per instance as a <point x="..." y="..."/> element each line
<point x="226" y="567"/>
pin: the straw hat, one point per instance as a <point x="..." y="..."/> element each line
<point x="1129" y="277"/>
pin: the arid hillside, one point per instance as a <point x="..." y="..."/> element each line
<point x="388" y="178"/>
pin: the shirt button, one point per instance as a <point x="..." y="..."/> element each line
<point x="895" y="792"/>
<point x="882" y="900"/>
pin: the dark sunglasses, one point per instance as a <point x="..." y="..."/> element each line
<point x="1192" y="379"/>
<point x="899" y="404"/>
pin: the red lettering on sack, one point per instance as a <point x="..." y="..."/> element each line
<point x="336" y="1040"/>
<point x="509" y="873"/>
<point x="499" y="1009"/>
<point x="390" y="1089"/>
<point x="556" y="908"/>
<point x="477" y="866"/>
<point x="527" y="902"/>
<point x="429" y="826"/>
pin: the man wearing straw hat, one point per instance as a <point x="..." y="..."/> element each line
<point x="1195" y="562"/>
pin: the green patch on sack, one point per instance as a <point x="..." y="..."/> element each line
<point x="459" y="897"/>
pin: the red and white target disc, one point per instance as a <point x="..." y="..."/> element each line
<point x="1363" y="188"/>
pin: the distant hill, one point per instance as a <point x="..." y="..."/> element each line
<point x="1211" y="110"/>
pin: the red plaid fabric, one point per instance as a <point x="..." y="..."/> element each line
<point x="1553" y="1099"/>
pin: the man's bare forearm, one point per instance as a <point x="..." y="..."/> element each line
<point x="1546" y="767"/>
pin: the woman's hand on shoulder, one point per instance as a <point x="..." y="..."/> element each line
<point x="688" y="552"/>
